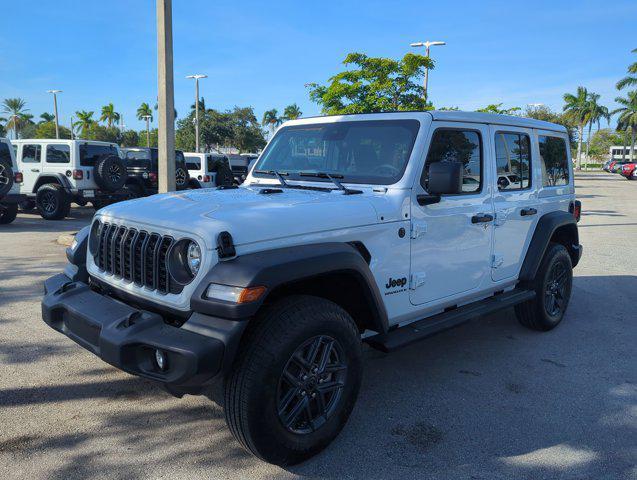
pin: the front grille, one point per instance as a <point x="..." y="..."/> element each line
<point x="134" y="255"/>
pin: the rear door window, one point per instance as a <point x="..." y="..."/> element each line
<point x="89" y="154"/>
<point x="58" y="154"/>
<point x="513" y="159"/>
<point x="31" y="153"/>
<point x="192" y="163"/>
<point x="554" y="158"/>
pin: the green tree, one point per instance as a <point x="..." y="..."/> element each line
<point x="47" y="130"/>
<point x="84" y="122"/>
<point x="103" y="133"/>
<point x="627" y="119"/>
<point x="374" y="85"/>
<point x="247" y="135"/>
<point x="596" y="113"/>
<point x="497" y="108"/>
<point x="631" y="79"/>
<point x="16" y="111"/>
<point x="144" y="112"/>
<point x="153" y="135"/>
<point x="130" y="138"/>
<point x="577" y="108"/>
<point x="602" y="140"/>
<point x="109" y="115"/>
<point x="46" y="117"/>
<point x="271" y="120"/>
<point x="292" y="112"/>
<point x="546" y="114"/>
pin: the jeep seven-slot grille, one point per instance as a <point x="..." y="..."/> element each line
<point x="134" y="255"/>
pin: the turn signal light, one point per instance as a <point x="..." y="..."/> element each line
<point x="78" y="174"/>
<point x="232" y="294"/>
<point x="251" y="294"/>
<point x="18" y="178"/>
<point x="153" y="177"/>
<point x="206" y="178"/>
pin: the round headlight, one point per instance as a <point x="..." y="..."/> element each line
<point x="193" y="258"/>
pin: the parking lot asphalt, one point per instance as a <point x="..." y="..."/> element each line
<point x="487" y="400"/>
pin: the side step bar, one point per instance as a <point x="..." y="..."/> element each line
<point x="403" y="336"/>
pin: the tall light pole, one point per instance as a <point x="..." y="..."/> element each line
<point x="55" y="111"/>
<point x="71" y="127"/>
<point x="147" y="118"/>
<point x="166" y="97"/>
<point x="427" y="45"/>
<point x="197" y="77"/>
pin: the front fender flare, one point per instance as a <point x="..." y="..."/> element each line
<point x="274" y="268"/>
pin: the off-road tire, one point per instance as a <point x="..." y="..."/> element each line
<point x="535" y="314"/>
<point x="6" y="176"/>
<point x="110" y="173"/>
<point x="8" y="212"/>
<point x="224" y="176"/>
<point x="27" y="205"/>
<point x="251" y="389"/>
<point x="182" y="178"/>
<point x="52" y="202"/>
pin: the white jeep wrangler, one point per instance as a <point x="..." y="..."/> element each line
<point x="10" y="179"/>
<point x="348" y="229"/>
<point x="59" y="172"/>
<point x="208" y="170"/>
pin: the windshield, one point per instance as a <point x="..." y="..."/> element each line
<point x="374" y="152"/>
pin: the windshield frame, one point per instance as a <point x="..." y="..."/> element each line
<point x="413" y="124"/>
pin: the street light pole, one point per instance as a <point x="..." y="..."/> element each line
<point x="55" y="111"/>
<point x="147" y="118"/>
<point x="166" y="97"/>
<point x="197" y="77"/>
<point x="427" y="45"/>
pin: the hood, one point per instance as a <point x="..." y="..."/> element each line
<point x="247" y="213"/>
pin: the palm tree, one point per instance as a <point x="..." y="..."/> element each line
<point x="47" y="117"/>
<point x="272" y="120"/>
<point x="85" y="121"/>
<point x="631" y="79"/>
<point x="109" y="115"/>
<point x="497" y="108"/>
<point x="15" y="108"/>
<point x="292" y="112"/>
<point x="144" y="112"/>
<point x="576" y="108"/>
<point x="628" y="117"/>
<point x="596" y="113"/>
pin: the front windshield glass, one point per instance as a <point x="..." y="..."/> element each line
<point x="374" y="152"/>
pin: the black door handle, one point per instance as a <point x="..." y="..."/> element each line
<point x="525" y="212"/>
<point x="482" y="218"/>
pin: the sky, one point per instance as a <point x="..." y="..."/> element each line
<point x="261" y="54"/>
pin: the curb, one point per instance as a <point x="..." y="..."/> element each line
<point x="66" y="239"/>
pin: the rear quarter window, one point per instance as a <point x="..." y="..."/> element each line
<point x="554" y="160"/>
<point x="89" y="154"/>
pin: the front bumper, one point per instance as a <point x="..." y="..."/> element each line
<point x="127" y="337"/>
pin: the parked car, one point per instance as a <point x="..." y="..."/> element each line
<point x="208" y="169"/>
<point x="143" y="168"/>
<point x="616" y="166"/>
<point x="59" y="172"/>
<point x="240" y="165"/>
<point x="606" y="166"/>
<point x="10" y="180"/>
<point x="348" y="229"/>
<point x="628" y="170"/>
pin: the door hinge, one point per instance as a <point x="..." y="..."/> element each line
<point x="497" y="261"/>
<point x="416" y="280"/>
<point x="418" y="229"/>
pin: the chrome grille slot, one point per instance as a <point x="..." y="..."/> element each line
<point x="134" y="256"/>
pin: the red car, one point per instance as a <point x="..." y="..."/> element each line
<point x="628" y="170"/>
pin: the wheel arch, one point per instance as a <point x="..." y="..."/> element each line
<point x="559" y="227"/>
<point x="335" y="271"/>
<point x="58" y="178"/>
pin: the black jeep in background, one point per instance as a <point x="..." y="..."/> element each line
<point x="142" y="168"/>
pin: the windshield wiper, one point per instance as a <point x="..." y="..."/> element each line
<point x="333" y="178"/>
<point x="277" y="174"/>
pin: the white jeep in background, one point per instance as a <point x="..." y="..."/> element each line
<point x="10" y="179"/>
<point x="59" y="172"/>
<point x="349" y="229"/>
<point x="208" y="169"/>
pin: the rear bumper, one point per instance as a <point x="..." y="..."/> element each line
<point x="128" y="337"/>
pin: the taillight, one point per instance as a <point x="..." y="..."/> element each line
<point x="152" y="176"/>
<point x="78" y="174"/>
<point x="576" y="209"/>
<point x="18" y="178"/>
<point x="206" y="178"/>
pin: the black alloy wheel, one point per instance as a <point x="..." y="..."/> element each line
<point x="311" y="384"/>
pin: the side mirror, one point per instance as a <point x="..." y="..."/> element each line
<point x="445" y="178"/>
